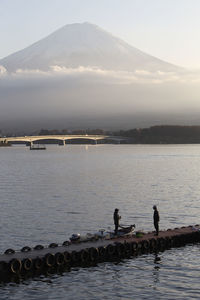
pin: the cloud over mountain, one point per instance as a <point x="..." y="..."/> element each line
<point x="83" y="76"/>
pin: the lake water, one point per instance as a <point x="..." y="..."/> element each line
<point x="45" y="196"/>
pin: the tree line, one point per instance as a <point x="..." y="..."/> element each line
<point x="163" y="134"/>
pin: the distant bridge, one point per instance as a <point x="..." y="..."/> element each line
<point x="63" y="138"/>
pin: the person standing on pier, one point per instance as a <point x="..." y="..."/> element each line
<point x="156" y="219"/>
<point x="116" y="218"/>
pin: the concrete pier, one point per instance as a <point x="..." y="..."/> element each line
<point x="58" y="258"/>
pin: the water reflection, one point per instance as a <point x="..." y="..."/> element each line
<point x="156" y="270"/>
<point x="157" y="259"/>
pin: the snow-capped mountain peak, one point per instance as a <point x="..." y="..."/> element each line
<point x="84" y="45"/>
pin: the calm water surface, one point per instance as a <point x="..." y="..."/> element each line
<point x="45" y="196"/>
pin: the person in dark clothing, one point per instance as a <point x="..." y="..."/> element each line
<point x="116" y="218"/>
<point x="156" y="219"/>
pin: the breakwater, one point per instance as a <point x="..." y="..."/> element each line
<point x="29" y="262"/>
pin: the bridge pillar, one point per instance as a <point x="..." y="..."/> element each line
<point x="29" y="144"/>
<point x="61" y="143"/>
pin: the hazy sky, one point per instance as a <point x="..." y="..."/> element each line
<point x="167" y="29"/>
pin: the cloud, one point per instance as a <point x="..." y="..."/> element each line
<point x="85" y="93"/>
<point x="118" y="77"/>
<point x="3" y="71"/>
<point x="29" y="72"/>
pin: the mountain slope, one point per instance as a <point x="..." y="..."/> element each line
<point x="83" y="45"/>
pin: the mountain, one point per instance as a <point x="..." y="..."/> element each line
<point x="86" y="98"/>
<point x="84" y="45"/>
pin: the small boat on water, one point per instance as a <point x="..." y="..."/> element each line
<point x="37" y="147"/>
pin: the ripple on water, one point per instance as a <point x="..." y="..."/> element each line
<point x="46" y="197"/>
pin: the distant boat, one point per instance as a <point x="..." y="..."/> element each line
<point x="37" y="147"/>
